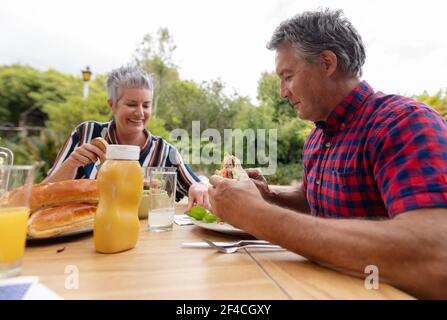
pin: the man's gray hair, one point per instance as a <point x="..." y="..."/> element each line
<point x="312" y="32"/>
<point x="127" y="77"/>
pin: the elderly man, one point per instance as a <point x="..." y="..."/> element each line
<point x="374" y="190"/>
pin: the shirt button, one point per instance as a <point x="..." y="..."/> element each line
<point x="343" y="125"/>
<point x="318" y="182"/>
<point x="327" y="144"/>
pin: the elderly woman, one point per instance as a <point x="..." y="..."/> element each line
<point x="130" y="99"/>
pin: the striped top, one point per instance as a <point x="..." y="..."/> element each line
<point x="156" y="152"/>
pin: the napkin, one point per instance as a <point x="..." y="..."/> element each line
<point x="25" y="288"/>
<point x="182" y="220"/>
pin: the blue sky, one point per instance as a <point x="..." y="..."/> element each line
<point x="405" y="40"/>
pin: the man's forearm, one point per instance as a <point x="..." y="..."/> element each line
<point x="349" y="246"/>
<point x="289" y="197"/>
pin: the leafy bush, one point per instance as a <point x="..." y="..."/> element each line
<point x="40" y="151"/>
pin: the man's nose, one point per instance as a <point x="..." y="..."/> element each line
<point x="283" y="92"/>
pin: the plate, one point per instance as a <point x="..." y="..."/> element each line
<point x="219" y="227"/>
<point x="62" y="235"/>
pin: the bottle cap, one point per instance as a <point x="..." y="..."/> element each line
<point x="122" y="152"/>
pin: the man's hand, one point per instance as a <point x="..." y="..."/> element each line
<point x="233" y="200"/>
<point x="198" y="195"/>
<point x="292" y="197"/>
<point x="260" y="182"/>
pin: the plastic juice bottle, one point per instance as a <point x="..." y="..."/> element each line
<point x="120" y="181"/>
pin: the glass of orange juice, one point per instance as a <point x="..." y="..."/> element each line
<point x="15" y="193"/>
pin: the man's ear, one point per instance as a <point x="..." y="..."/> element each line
<point x="328" y="61"/>
<point x="110" y="103"/>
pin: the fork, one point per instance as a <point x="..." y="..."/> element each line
<point x="240" y="243"/>
<point x="233" y="249"/>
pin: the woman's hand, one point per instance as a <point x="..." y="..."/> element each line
<point x="198" y="195"/>
<point x="84" y="155"/>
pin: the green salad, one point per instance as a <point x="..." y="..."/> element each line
<point x="201" y="214"/>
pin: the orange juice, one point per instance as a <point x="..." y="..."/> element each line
<point x="116" y="226"/>
<point x="12" y="233"/>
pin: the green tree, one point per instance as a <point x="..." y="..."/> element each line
<point x="16" y="84"/>
<point x="24" y="89"/>
<point x="154" y="54"/>
<point x="65" y="116"/>
<point x="180" y="103"/>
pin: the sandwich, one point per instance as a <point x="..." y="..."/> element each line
<point x="231" y="168"/>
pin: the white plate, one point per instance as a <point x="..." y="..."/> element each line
<point x="62" y="235"/>
<point x="219" y="227"/>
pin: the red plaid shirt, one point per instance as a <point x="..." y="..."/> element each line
<point x="376" y="155"/>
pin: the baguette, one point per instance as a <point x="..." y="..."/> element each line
<point x="47" y="195"/>
<point x="50" y="222"/>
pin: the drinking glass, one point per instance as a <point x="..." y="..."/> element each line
<point x="162" y="188"/>
<point x="15" y="193"/>
<point x="145" y="197"/>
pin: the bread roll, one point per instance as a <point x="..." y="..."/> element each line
<point x="53" y="194"/>
<point x="51" y="222"/>
<point x="100" y="143"/>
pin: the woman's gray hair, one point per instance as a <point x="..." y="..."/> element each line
<point x="127" y="77"/>
<point x="312" y="32"/>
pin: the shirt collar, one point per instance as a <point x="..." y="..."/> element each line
<point x="346" y="109"/>
<point x="111" y="136"/>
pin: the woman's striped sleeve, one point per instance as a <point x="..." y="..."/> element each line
<point x="185" y="176"/>
<point x="68" y="147"/>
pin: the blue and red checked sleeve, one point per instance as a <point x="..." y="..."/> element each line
<point x="409" y="157"/>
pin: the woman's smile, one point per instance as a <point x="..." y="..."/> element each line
<point x="136" y="122"/>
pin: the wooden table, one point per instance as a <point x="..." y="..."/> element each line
<point x="159" y="268"/>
